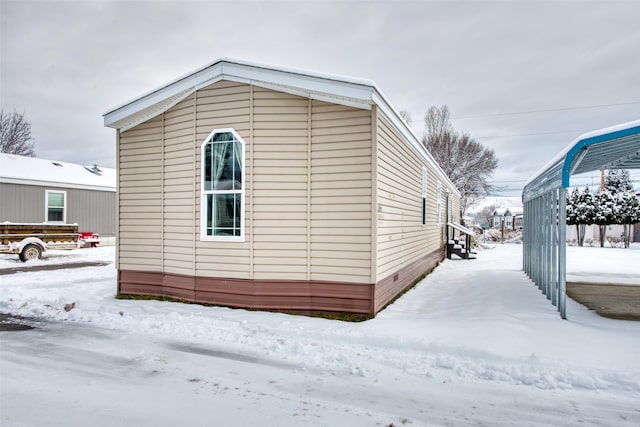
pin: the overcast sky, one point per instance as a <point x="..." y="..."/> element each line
<point x="523" y="78"/>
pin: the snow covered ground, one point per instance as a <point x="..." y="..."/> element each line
<point x="604" y="265"/>
<point x="475" y="343"/>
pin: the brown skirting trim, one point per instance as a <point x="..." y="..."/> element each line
<point x="303" y="296"/>
<point x="290" y="295"/>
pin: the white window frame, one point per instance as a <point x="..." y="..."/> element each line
<point x="204" y="193"/>
<point x="64" y="206"/>
<point x="439" y="203"/>
<point x="424" y="196"/>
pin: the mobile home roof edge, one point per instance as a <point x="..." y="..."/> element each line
<point x="349" y="91"/>
<point x="240" y="71"/>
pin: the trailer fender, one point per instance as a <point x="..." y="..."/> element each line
<point x="17" y="247"/>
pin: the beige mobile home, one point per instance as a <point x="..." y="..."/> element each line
<point x="248" y="185"/>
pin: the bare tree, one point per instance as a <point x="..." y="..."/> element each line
<point x="486" y="214"/>
<point x="406" y="116"/>
<point x="15" y="134"/>
<point x="467" y="163"/>
<point x="437" y="122"/>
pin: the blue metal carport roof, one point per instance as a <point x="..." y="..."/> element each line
<point x="544" y="199"/>
<point x="617" y="147"/>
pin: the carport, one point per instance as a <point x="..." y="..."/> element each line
<point x="544" y="199"/>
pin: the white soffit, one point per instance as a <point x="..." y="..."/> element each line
<point x="348" y="91"/>
<point x="339" y="90"/>
<point x="401" y="126"/>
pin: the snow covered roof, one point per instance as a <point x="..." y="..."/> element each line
<point x="349" y="91"/>
<point x="516" y="210"/>
<point x="510" y="211"/>
<point x="16" y="169"/>
<point x="616" y="147"/>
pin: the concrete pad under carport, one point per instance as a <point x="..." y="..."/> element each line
<point x="608" y="300"/>
<point x="544" y="198"/>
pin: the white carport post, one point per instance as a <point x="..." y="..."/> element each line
<point x="544" y="252"/>
<point x="545" y="202"/>
<point x="555" y="229"/>
<point x="562" y="252"/>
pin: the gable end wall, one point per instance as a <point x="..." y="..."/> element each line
<point x="307" y="198"/>
<point x="317" y="175"/>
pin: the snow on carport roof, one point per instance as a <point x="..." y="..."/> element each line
<point x="544" y="198"/>
<point x="616" y="147"/>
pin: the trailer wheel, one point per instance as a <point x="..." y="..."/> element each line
<point x="30" y="252"/>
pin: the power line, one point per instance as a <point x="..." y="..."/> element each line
<point x="512" y="180"/>
<point x="530" y="134"/>
<point x="551" y="110"/>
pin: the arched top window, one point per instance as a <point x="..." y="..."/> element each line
<point x="222" y="186"/>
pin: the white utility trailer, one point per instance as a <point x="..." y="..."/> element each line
<point x="29" y="241"/>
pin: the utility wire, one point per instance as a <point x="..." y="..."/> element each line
<point x="530" y="134"/>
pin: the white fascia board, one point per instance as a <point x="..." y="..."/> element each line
<point x="316" y="85"/>
<point x="357" y="93"/>
<point x="401" y="126"/>
<point x="143" y="110"/>
<point x="153" y="111"/>
<point x="333" y="99"/>
<point x="305" y="82"/>
<point x="156" y="101"/>
<point x="301" y="72"/>
<point x="168" y="90"/>
<point x="53" y="184"/>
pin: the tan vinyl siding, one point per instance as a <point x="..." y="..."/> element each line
<point x="140" y="197"/>
<point x="455" y="212"/>
<point x="280" y="185"/>
<point x="402" y="238"/>
<point x="178" y="184"/>
<point x="332" y="199"/>
<point x="340" y="193"/>
<point x="220" y="106"/>
<point x="307" y="182"/>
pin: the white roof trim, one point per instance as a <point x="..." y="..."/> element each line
<point x="342" y="90"/>
<point x="337" y="89"/>
<point x="154" y="110"/>
<point x="54" y="184"/>
<point x="351" y="102"/>
<point x="401" y="126"/>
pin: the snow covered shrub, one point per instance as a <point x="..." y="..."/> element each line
<point x="616" y="242"/>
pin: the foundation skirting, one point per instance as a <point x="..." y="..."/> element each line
<point x="288" y="295"/>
